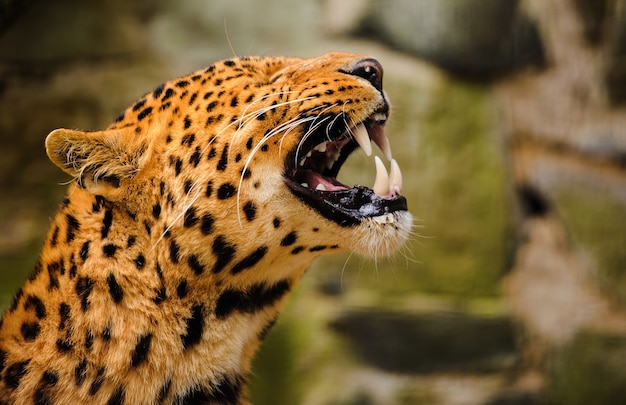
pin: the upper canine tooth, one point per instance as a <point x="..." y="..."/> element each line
<point x="380" y="139"/>
<point x="395" y="178"/>
<point x="363" y="139"/>
<point x="321" y="187"/>
<point x="381" y="184"/>
<point x="321" y="147"/>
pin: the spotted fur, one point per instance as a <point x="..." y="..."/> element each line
<point x="179" y="240"/>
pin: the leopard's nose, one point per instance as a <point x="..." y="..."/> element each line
<point x="369" y="69"/>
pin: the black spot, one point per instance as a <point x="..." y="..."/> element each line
<point x="179" y="166"/>
<point x="157" y="92"/>
<point x="106" y="223"/>
<point x="14" y="374"/>
<point x="30" y="330"/>
<point x="223" y="162"/>
<point x="88" y="340"/>
<point x="193" y="98"/>
<point x="209" y="188"/>
<point x="212" y="153"/>
<point x="250" y="260"/>
<point x="80" y="372"/>
<point x="115" y="289"/>
<point x="224" y="252"/>
<point x="190" y="218"/>
<point x="84" y="285"/>
<point x="197" y="395"/>
<point x="118" y="397"/>
<point x="35" y="303"/>
<point x="141" y="350"/>
<point x="317" y="248"/>
<point x="139" y="104"/>
<point x="251" y="300"/>
<point x="225" y="191"/>
<point x="98" y="204"/>
<point x="54" y="270"/>
<point x="120" y="116"/>
<point x="106" y="333"/>
<point x="165" y="389"/>
<point x="160" y="295"/>
<point x="182" y="289"/>
<point x="211" y="106"/>
<point x="168" y="93"/>
<point x="188" y="186"/>
<point x="113" y="179"/>
<point x="193" y="326"/>
<point x="140" y="261"/>
<point x="276" y="222"/>
<point x="144" y="113"/>
<point x="109" y="249"/>
<point x="290" y="239"/>
<point x="249" y="143"/>
<point x="195" y="265"/>
<point x="72" y="227"/>
<point x="147" y="227"/>
<point x="156" y="210"/>
<point x="42" y="394"/>
<point x="186" y="123"/>
<point x="206" y="226"/>
<point x="84" y="250"/>
<point x="264" y="148"/>
<point x="64" y="315"/>
<point x="63" y="345"/>
<point x="188" y="139"/>
<point x="97" y="382"/>
<point x="229" y="63"/>
<point x="234" y="102"/>
<point x="174" y="252"/>
<point x="130" y="242"/>
<point x="297" y="250"/>
<point x="250" y="210"/>
<point x="194" y="159"/>
<point x="55" y="236"/>
<point x="182" y="83"/>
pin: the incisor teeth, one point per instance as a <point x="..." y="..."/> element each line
<point x="381" y="184"/>
<point x="395" y="178"/>
<point x="380" y="139"/>
<point x="363" y="139"/>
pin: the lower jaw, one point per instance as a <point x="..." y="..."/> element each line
<point x="348" y="207"/>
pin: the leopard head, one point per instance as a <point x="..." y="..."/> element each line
<point x="249" y="149"/>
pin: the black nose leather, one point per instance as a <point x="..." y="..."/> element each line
<point x="369" y="69"/>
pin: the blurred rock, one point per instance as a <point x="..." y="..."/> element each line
<point x="489" y="37"/>
<point x="429" y="342"/>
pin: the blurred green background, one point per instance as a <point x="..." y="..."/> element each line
<point x="509" y="125"/>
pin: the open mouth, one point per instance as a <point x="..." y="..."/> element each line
<point x="312" y="169"/>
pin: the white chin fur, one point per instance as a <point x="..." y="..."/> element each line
<point x="382" y="235"/>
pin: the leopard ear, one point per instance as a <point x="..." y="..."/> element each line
<point x="97" y="160"/>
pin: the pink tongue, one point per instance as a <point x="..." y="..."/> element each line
<point x="314" y="179"/>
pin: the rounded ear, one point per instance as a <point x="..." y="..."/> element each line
<point x="93" y="158"/>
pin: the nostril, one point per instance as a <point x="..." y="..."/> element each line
<point x="369" y="69"/>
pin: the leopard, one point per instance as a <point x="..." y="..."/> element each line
<point x="186" y="224"/>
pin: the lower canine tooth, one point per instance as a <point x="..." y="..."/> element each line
<point x="362" y="138"/>
<point x="381" y="184"/>
<point x="395" y="178"/>
<point x="305" y="185"/>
